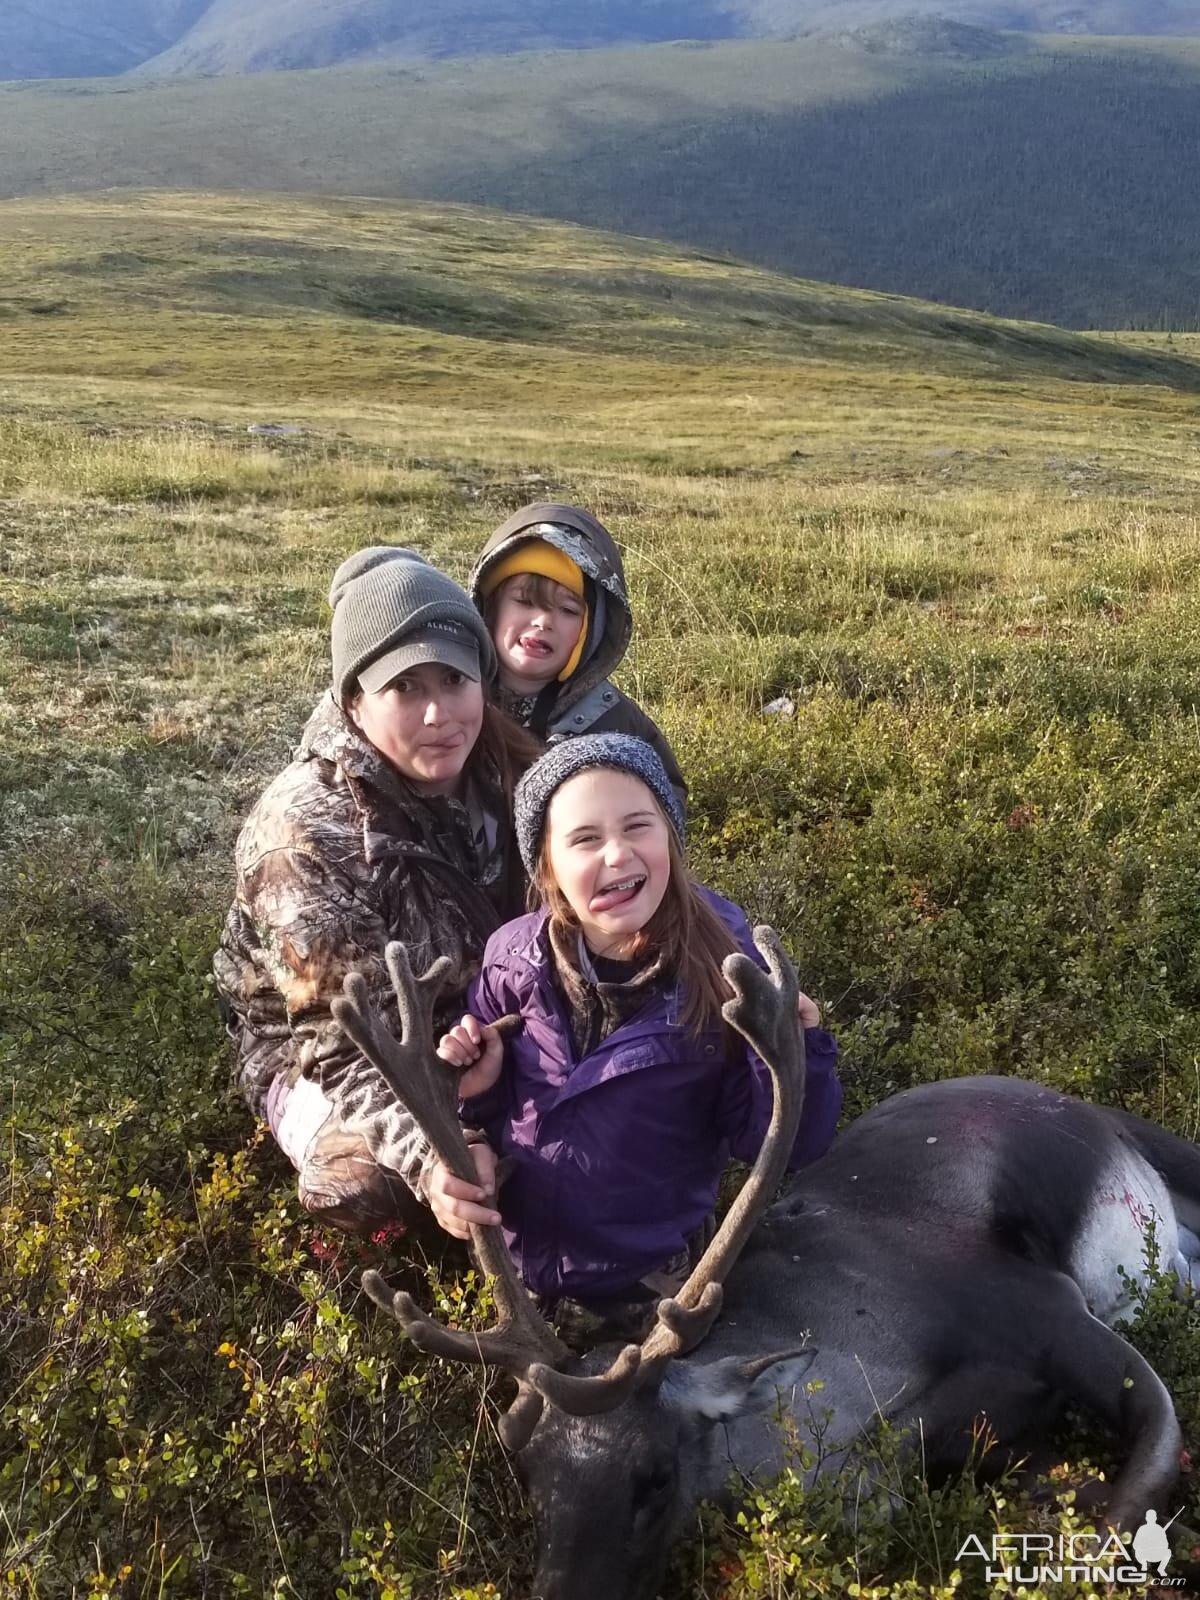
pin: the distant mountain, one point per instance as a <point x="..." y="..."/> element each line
<point x="86" y="38"/>
<point x="920" y="157"/>
<point x="266" y="35"/>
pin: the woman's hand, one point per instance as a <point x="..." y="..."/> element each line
<point x="809" y="1012"/>
<point x="457" y="1204"/>
<point x="476" y="1046"/>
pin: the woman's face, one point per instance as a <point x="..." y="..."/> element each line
<point x="609" y="851"/>
<point x="425" y="722"/>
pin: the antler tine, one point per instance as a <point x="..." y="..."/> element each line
<point x="764" y="1005"/>
<point x="763" y="1009"/>
<point x="521" y="1418"/>
<point x="588" y="1396"/>
<point x="428" y="1088"/>
<point x="690" y="1324"/>
<point x="502" y="1346"/>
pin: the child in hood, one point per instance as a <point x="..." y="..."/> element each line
<point x="624" y="1092"/>
<point x="551" y="586"/>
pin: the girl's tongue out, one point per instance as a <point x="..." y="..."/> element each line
<point x="533" y="645"/>
<point x="617" y="894"/>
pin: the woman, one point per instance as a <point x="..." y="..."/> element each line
<point x="392" y="822"/>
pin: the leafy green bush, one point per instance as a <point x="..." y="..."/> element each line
<point x="196" y="1403"/>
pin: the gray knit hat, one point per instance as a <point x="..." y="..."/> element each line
<point x="563" y="760"/>
<point x="393" y="611"/>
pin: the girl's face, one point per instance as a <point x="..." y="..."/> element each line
<point x="536" y="627"/>
<point x="425" y="722"/>
<point x="608" y="848"/>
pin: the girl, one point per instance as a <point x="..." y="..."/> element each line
<point x="624" y="1093"/>
<point x="551" y="586"/>
<point x="392" y="822"/>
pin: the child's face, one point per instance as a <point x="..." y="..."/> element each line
<point x="536" y="626"/>
<point x="609" y="853"/>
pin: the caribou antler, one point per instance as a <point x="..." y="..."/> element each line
<point x="522" y="1342"/>
<point x="764" y="1010"/>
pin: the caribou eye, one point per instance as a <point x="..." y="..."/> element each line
<point x="649" y="1486"/>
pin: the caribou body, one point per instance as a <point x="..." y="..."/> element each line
<point x="951" y="1263"/>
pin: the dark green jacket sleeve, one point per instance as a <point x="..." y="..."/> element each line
<point x="626" y="717"/>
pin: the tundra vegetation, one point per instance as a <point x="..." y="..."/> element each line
<point x="964" y="551"/>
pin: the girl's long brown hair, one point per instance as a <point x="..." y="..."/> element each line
<point x="505" y="746"/>
<point x="685" y="931"/>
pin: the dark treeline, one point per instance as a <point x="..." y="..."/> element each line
<point x="1056" y="188"/>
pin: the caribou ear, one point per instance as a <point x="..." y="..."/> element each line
<point x="725" y="1390"/>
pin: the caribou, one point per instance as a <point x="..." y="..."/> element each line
<point x="952" y="1264"/>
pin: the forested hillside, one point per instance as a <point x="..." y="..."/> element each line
<point x="1061" y="188"/>
<point x="88" y="271"/>
<point x="1045" y="180"/>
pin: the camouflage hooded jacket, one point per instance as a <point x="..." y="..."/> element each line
<point x="339" y="856"/>
<point x="587" y="702"/>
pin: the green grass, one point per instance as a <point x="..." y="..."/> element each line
<point x="971" y="566"/>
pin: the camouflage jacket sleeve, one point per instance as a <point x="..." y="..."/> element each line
<point x="313" y="923"/>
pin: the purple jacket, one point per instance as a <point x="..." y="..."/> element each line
<point x="617" y="1156"/>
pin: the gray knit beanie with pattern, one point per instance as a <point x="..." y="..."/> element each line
<point x="620" y="751"/>
<point x="392" y="610"/>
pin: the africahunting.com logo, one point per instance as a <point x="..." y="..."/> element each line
<point x="1047" y="1558"/>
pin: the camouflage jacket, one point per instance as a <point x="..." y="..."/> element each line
<point x="340" y="856"/>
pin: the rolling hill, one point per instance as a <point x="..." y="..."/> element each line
<point x="84" y="38"/>
<point x="266" y="35"/>
<point x="432" y="287"/>
<point x="922" y="158"/>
